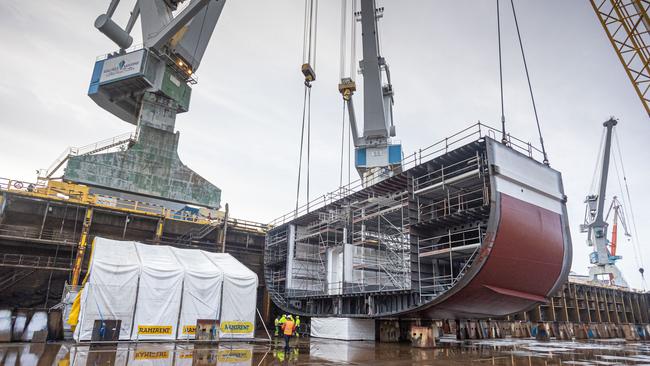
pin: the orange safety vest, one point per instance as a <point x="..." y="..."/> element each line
<point x="289" y="326"/>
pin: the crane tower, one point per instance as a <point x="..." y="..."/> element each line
<point x="595" y="225"/>
<point x="148" y="86"/>
<point x="376" y="156"/>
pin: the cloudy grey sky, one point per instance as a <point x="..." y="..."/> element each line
<point x="242" y="131"/>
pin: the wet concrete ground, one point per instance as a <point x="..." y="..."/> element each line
<point x="330" y="352"/>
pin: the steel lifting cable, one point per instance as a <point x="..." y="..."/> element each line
<point x="625" y="203"/>
<point x="503" y="118"/>
<point x="342" y="144"/>
<point x="302" y="139"/>
<point x="530" y="87"/>
<point x="306" y="36"/>
<point x="635" y="243"/>
<point x="349" y="157"/>
<point x="308" y="139"/>
<point x="309" y="61"/>
<point x="596" y="177"/>
<point x="342" y="51"/>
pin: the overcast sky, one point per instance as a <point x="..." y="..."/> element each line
<point x="242" y="131"/>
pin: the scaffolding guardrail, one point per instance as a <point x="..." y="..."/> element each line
<point x="474" y="132"/>
<point x="27" y="232"/>
<point x="35" y="262"/>
<point x="75" y="193"/>
<point x="470" y="239"/>
<point x="102" y="145"/>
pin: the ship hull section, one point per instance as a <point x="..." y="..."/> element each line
<point x="521" y="268"/>
<point x="483" y="229"/>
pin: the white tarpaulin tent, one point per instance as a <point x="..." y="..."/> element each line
<point x="349" y="329"/>
<point x="239" y="288"/>
<point x="159" y="293"/>
<point x="111" y="287"/>
<point x="147" y="287"/>
<point x="201" y="290"/>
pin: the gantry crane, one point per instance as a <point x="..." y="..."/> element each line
<point x="627" y="25"/>
<point x="619" y="215"/>
<point x="153" y="82"/>
<point x="147" y="87"/>
<point x="595" y="225"/>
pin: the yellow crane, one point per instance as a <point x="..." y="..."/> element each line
<point x="627" y="26"/>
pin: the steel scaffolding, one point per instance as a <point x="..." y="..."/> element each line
<point x="378" y="249"/>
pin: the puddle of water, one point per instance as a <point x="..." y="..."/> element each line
<point x="330" y="352"/>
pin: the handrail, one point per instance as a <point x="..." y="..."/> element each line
<point x="89" y="149"/>
<point x="473" y="132"/>
<point x="34" y="261"/>
<point x="27" y="232"/>
<point x="78" y="193"/>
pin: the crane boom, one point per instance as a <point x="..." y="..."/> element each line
<point x="376" y="156"/>
<point x="602" y="260"/>
<point x="612" y="246"/>
<point x="626" y="23"/>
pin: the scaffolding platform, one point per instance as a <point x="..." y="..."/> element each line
<point x="430" y="238"/>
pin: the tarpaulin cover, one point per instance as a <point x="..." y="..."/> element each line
<point x="159" y="293"/>
<point x="147" y="287"/>
<point x="239" y="297"/>
<point x="111" y="287"/>
<point x="201" y="290"/>
<point x="348" y="329"/>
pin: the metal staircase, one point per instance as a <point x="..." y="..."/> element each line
<point x="126" y="139"/>
<point x="13" y="277"/>
<point x="199" y="233"/>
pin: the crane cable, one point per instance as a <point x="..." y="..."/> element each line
<point x="625" y="203"/>
<point x="595" y="178"/>
<point x="347" y="85"/>
<point x="530" y="87"/>
<point x="504" y="140"/>
<point x="635" y="242"/>
<point x="302" y="139"/>
<point x="309" y="62"/>
<point x="342" y="144"/>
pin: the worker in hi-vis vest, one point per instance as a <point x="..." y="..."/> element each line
<point x="297" y="326"/>
<point x="287" y="328"/>
<point x="277" y="325"/>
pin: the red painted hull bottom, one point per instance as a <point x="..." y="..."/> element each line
<point x="521" y="266"/>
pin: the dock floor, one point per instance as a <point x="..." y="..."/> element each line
<point x="307" y="351"/>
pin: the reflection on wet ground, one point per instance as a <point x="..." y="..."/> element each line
<point x="330" y="352"/>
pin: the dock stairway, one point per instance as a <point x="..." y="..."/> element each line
<point x="198" y="233"/>
<point x="13" y="277"/>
